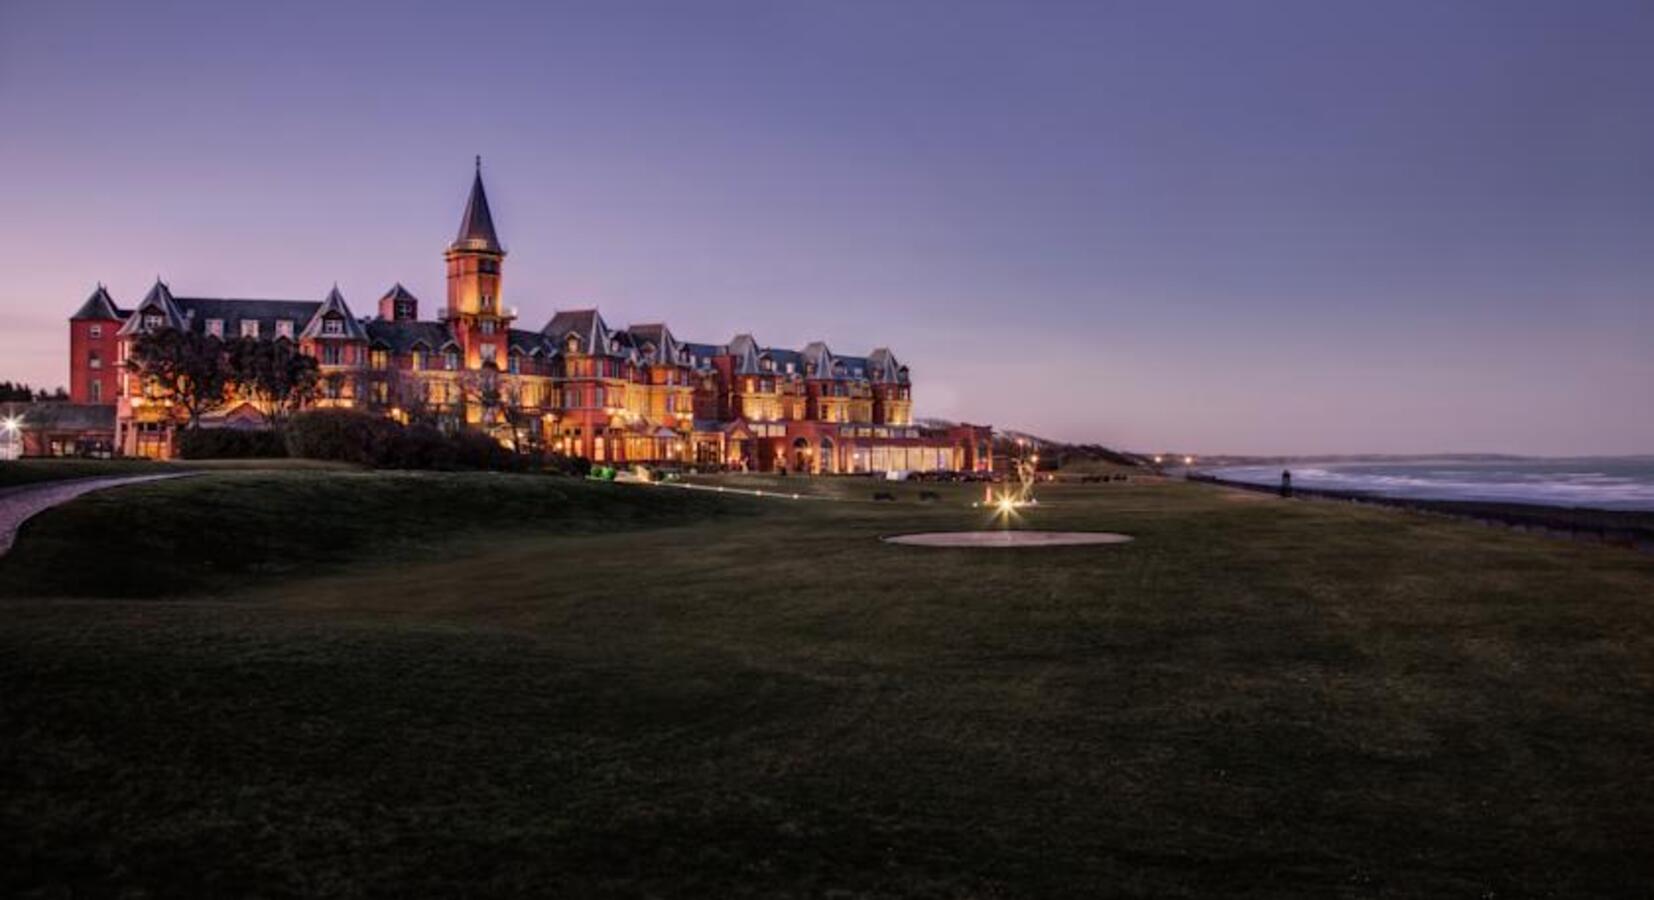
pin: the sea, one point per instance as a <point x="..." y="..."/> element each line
<point x="1619" y="483"/>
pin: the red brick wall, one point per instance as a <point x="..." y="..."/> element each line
<point x="82" y="373"/>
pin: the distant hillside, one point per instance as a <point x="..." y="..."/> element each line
<point x="1055" y="454"/>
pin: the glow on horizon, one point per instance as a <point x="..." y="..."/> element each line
<point x="1292" y="228"/>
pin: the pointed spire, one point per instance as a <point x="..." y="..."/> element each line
<point x="98" y="306"/>
<point x="476" y="229"/>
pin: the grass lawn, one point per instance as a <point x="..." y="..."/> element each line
<point x="344" y="683"/>
<point x="34" y="471"/>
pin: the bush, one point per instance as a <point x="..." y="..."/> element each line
<point x="341" y="435"/>
<point x="231" y="443"/>
<point x="350" y="436"/>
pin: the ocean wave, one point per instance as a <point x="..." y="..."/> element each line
<point x="1541" y="483"/>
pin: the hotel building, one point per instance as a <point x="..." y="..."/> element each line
<point x="578" y="385"/>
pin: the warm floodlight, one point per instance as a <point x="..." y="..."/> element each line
<point x="12" y="424"/>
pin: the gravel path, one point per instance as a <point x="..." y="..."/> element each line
<point x="19" y="504"/>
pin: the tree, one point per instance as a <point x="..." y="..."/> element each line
<point x="187" y="368"/>
<point x="274" y="376"/>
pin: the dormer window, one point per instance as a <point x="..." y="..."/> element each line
<point x="573" y="344"/>
<point x="514" y="362"/>
<point x="790" y="369"/>
<point x="249" y="328"/>
<point x="154" y="320"/>
<point x="331" y="326"/>
<point x="450" y="360"/>
<point x="215" y="328"/>
<point x="614" y="345"/>
<point x="766" y="364"/>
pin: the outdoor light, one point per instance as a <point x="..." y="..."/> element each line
<point x="11" y="424"/>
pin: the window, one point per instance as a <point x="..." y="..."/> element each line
<point x="404" y="309"/>
<point x="418" y="360"/>
<point x="450" y="360"/>
<point x="94" y="360"/>
<point x="487" y="326"/>
<point x="331" y="355"/>
<point x="486" y="303"/>
<point x="381" y="393"/>
<point x="284" y="328"/>
<point x="597" y="396"/>
<point x="514" y="363"/>
<point x="331" y="386"/>
<point x="379" y="358"/>
<point x="215" y="328"/>
<point x="489" y="353"/>
<point x="249" y="328"/>
<point x="95" y="331"/>
<point x="789" y="368"/>
<point x="95" y="391"/>
<point x="154" y="320"/>
<point x="331" y="325"/>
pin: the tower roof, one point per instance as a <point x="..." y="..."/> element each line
<point x="476" y="228"/>
<point x="98" y="306"/>
<point x="334" y="307"/>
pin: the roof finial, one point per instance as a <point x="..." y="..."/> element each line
<point x="479" y="163"/>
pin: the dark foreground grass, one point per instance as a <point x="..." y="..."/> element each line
<point x="1255" y="698"/>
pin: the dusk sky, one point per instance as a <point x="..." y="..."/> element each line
<point x="1246" y="227"/>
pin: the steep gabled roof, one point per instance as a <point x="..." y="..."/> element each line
<point x="157" y="301"/>
<point x="585" y="324"/>
<point x="882" y="365"/>
<point x="401" y="337"/>
<point x="334" y="307"/>
<point x="476" y="228"/>
<point x="667" y="349"/>
<point x="526" y="341"/>
<point x="232" y="312"/>
<point x="98" y="306"/>
<point x="816" y="354"/>
<point x="745" y="350"/>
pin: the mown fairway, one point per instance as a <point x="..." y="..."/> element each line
<point x="341" y="683"/>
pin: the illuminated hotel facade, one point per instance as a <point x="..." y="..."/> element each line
<point x="578" y="385"/>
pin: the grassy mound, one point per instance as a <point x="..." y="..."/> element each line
<point x="219" y="529"/>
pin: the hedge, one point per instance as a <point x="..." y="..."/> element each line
<point x="230" y="443"/>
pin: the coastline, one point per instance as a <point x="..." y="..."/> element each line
<point x="1622" y="528"/>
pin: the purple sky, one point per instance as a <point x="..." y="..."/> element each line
<point x="1228" y="227"/>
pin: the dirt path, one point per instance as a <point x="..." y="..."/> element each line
<point x="19" y="504"/>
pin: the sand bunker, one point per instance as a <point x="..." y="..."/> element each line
<point x="1007" y="538"/>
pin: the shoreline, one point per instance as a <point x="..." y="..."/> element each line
<point x="1621" y="528"/>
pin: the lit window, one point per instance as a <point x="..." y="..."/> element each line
<point x="489" y="352"/>
<point x="379" y="358"/>
<point x="418" y="359"/>
<point x="215" y="328"/>
<point x="284" y="328"/>
<point x="450" y="360"/>
<point x="249" y="328"/>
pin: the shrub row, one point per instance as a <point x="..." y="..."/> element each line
<point x="230" y="443"/>
<point x="344" y="435"/>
